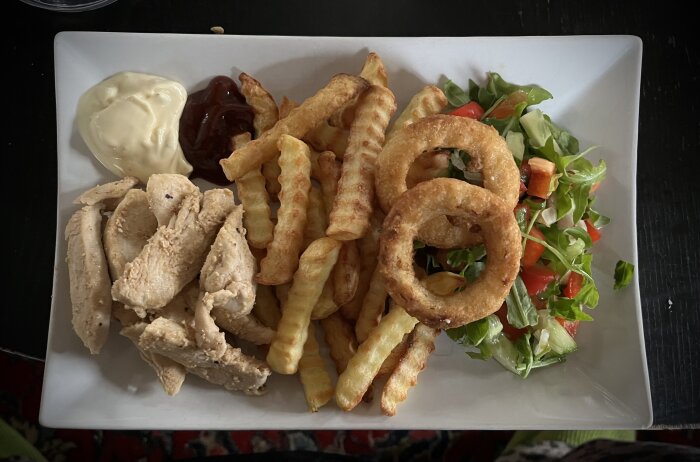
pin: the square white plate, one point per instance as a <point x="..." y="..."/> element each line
<point x="595" y="82"/>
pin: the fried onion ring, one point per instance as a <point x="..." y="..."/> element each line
<point x="481" y="141"/>
<point x="428" y="201"/>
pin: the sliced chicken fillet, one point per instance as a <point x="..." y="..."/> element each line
<point x="226" y="281"/>
<point x="234" y="370"/>
<point x="174" y="254"/>
<point x="110" y="194"/>
<point x="209" y="338"/>
<point x="165" y="194"/>
<point x="89" y="277"/>
<point x="246" y="327"/>
<point x="230" y="267"/>
<point x="128" y="230"/>
<point x="170" y="373"/>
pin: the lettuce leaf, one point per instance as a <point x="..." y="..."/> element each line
<point x="521" y="311"/>
<point x="624" y="271"/>
<point x="454" y="93"/>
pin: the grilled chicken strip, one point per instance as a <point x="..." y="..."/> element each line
<point x="229" y="269"/>
<point x="246" y="327"/>
<point x="170" y="373"/>
<point x="175" y="253"/>
<point x="233" y="370"/>
<point x="227" y="283"/>
<point x="89" y="277"/>
<point x="110" y="194"/>
<point x="128" y="230"/>
<point x="165" y="194"/>
<point x="126" y="233"/>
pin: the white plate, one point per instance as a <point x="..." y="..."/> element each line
<point x="595" y="81"/>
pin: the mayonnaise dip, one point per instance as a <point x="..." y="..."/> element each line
<point x="130" y="123"/>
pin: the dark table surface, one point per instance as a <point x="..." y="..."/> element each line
<point x="668" y="199"/>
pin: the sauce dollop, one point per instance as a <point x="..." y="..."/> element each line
<point x="210" y="118"/>
<point x="130" y="123"/>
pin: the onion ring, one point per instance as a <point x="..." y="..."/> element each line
<point x="500" y="173"/>
<point x="428" y="201"/>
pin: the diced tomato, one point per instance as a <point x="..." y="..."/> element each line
<point x="471" y="110"/>
<point x="537" y="278"/>
<point x="595" y="187"/>
<point x="513" y="333"/>
<point x="573" y="285"/>
<point x="533" y="250"/>
<point x="541" y="174"/>
<point x="592" y="230"/>
<point x="506" y="107"/>
<point x="570" y="326"/>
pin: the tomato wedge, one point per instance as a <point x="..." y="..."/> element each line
<point x="506" y="108"/>
<point x="570" y="326"/>
<point x="573" y="285"/>
<point x="471" y="110"/>
<point x="537" y="278"/>
<point x="592" y="230"/>
<point x="533" y="250"/>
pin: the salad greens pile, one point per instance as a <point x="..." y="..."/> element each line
<point x="558" y="223"/>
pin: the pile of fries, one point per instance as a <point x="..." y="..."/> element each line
<point x="318" y="259"/>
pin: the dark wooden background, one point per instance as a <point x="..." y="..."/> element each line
<point x="668" y="200"/>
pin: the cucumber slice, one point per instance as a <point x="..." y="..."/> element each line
<point x="504" y="352"/>
<point x="560" y="341"/>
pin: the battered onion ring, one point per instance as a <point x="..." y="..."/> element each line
<point x="500" y="173"/>
<point x="428" y="201"/>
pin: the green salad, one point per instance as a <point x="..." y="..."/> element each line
<point x="559" y="224"/>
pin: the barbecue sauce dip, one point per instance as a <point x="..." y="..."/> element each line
<point x="209" y="119"/>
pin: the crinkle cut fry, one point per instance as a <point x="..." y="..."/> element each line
<point x="315" y="266"/>
<point x="364" y="366"/>
<point x="346" y="274"/>
<point x="313" y="111"/>
<point x="353" y="202"/>
<point x="428" y="101"/>
<point x="266" y="308"/>
<point x="372" y="71"/>
<point x="340" y="339"/>
<point x="255" y="199"/>
<point x="405" y="374"/>
<point x="368" y="247"/>
<point x="372" y="306"/>
<point x="263" y="104"/>
<point x="318" y="388"/>
<point x="281" y="260"/>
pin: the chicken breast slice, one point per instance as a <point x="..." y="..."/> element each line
<point x="229" y="268"/>
<point x="207" y="334"/>
<point x="174" y="254"/>
<point x="170" y="373"/>
<point x="166" y="192"/>
<point x="246" y="327"/>
<point x="110" y="194"/>
<point x="226" y="281"/>
<point x="89" y="277"/>
<point x="233" y="370"/>
<point x="127" y="231"/>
